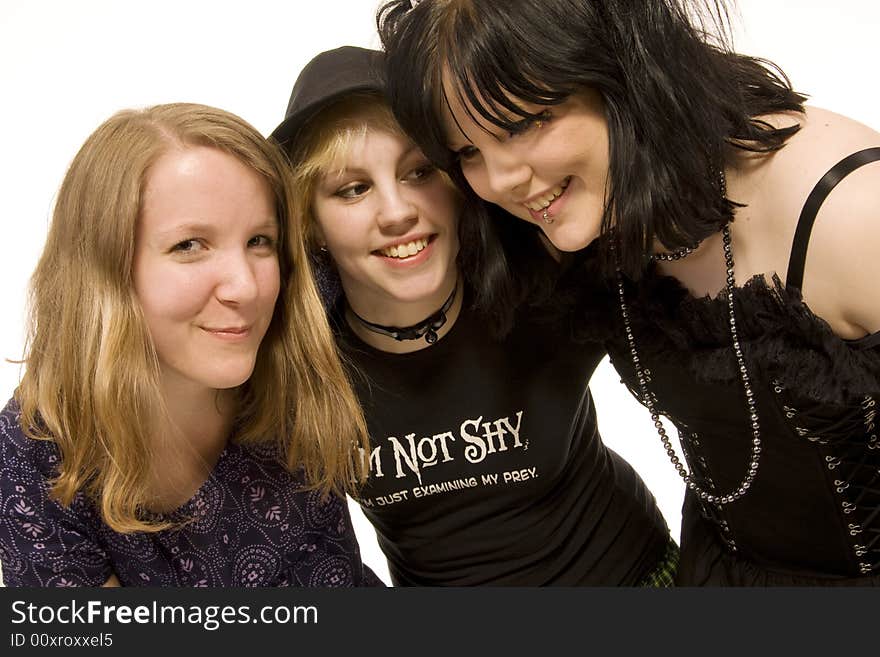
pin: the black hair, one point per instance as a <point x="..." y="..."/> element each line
<point x="676" y="99"/>
<point x="494" y="245"/>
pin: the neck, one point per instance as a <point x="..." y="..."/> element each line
<point x="414" y="317"/>
<point x="187" y="441"/>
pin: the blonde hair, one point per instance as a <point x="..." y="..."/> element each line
<point x="91" y="382"/>
<point x="323" y="144"/>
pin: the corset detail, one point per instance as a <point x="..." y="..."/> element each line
<point x="851" y="451"/>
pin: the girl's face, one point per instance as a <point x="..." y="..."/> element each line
<point x="389" y="220"/>
<point x="556" y="164"/>
<point x="206" y="268"/>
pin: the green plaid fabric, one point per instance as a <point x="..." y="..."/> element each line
<point x="663" y="576"/>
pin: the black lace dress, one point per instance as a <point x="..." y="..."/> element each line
<point x="812" y="514"/>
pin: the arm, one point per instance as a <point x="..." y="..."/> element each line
<point x="843" y="262"/>
<point x="41" y="546"/>
<point x="42" y="543"/>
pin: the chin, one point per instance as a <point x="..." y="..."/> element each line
<point x="420" y="290"/>
<point x="229" y="377"/>
<point x="570" y="239"/>
<point x="226" y="382"/>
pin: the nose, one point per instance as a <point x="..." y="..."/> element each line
<point x="237" y="281"/>
<point x="506" y="173"/>
<point x="396" y="212"/>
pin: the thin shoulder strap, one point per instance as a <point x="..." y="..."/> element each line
<point x="796" y="261"/>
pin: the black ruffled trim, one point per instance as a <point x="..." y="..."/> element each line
<point x="778" y="330"/>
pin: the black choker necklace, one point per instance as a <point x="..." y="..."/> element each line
<point x="427" y="328"/>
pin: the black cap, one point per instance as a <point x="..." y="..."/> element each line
<point x="329" y="76"/>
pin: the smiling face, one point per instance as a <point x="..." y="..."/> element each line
<point x="389" y="220"/>
<point x="206" y="269"/>
<point x="552" y="172"/>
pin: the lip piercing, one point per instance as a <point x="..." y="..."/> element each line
<point x="546" y="217"/>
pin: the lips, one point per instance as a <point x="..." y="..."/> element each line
<point x="404" y="250"/>
<point x="228" y="332"/>
<point x="543" y="201"/>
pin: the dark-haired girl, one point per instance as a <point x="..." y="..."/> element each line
<point x="724" y="241"/>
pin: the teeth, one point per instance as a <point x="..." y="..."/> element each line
<point x="545" y="201"/>
<point x="405" y="250"/>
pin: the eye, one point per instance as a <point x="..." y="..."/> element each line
<point x="352" y="190"/>
<point x="187" y="246"/>
<point x="262" y="242"/>
<point x="535" y="121"/>
<point x="421" y="173"/>
<point x="466" y="153"/>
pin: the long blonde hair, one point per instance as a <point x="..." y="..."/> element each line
<point x="91" y="382"/>
<point x="324" y="142"/>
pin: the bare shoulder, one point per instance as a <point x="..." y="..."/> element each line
<point x="842" y="265"/>
<point x="823" y="140"/>
<point x="778" y="184"/>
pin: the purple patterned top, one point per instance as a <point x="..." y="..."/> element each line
<point x="249" y="526"/>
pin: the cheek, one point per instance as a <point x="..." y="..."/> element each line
<point x="170" y="293"/>
<point x="442" y="203"/>
<point x="583" y="146"/>
<point x="476" y="178"/>
<point x="269" y="278"/>
<point x="337" y="229"/>
<point x="170" y="304"/>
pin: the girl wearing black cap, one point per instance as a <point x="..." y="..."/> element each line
<point x="732" y="268"/>
<point x="486" y="466"/>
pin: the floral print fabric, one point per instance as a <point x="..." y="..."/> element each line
<point x="249" y="524"/>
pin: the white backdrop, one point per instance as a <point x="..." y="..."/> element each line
<point x="66" y="66"/>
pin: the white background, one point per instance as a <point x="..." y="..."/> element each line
<point x="66" y="66"/>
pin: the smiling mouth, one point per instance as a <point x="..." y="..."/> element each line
<point x="231" y="331"/>
<point x="407" y="250"/>
<point x="544" y="202"/>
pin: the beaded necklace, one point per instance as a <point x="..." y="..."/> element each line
<point x="647" y="400"/>
<point x="683" y="252"/>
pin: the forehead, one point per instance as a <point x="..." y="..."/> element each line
<point x="478" y="117"/>
<point x="196" y="167"/>
<point x="366" y="146"/>
<point x="202" y="182"/>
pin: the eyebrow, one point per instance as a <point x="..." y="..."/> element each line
<point x="188" y="227"/>
<point x="345" y="171"/>
<point x="456" y="145"/>
<point x="268" y="223"/>
<point x="409" y="151"/>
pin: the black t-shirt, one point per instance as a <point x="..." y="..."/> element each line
<point x="487" y="467"/>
